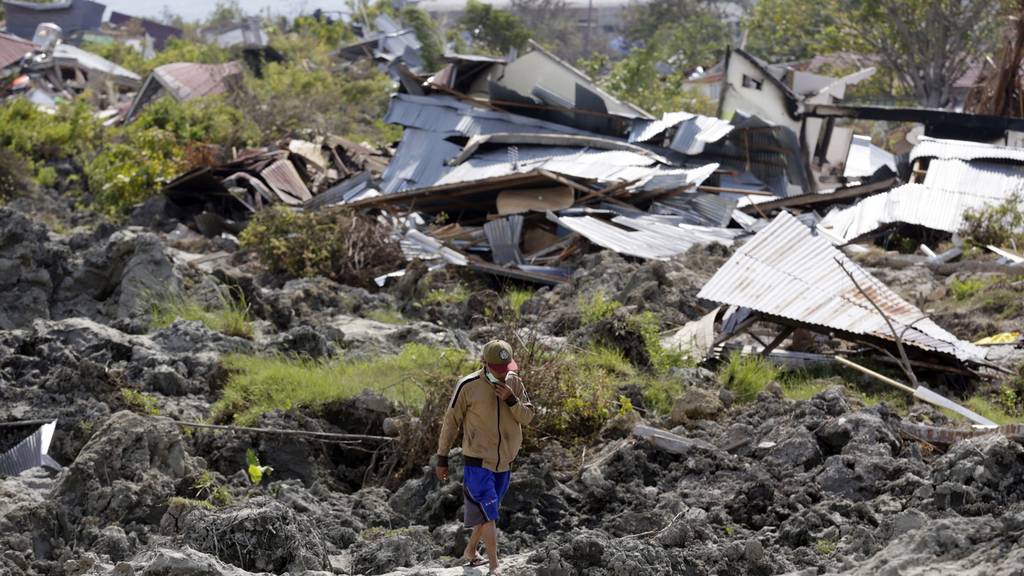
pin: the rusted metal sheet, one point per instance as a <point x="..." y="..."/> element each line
<point x="282" y="176"/>
<point x="187" y="81"/>
<point x="12" y="49"/>
<point x="788" y="271"/>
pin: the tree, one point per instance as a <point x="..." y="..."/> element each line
<point x="551" y="24"/>
<point x="928" y="44"/>
<point x="494" y="30"/>
<point x="681" y="33"/>
<point x="427" y="33"/>
<point x="787" y="30"/>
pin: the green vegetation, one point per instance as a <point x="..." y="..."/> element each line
<point x="745" y="376"/>
<point x="229" y="317"/>
<point x="210" y="491"/>
<point x="596" y="308"/>
<point x="661" y="359"/>
<point x="338" y="244"/>
<point x="139" y="402"/>
<point x="965" y="289"/>
<point x="432" y="49"/>
<point x="997" y="225"/>
<point x="386" y="316"/>
<point x="443" y="296"/>
<point x="14" y="179"/>
<point x="494" y="30"/>
<point x="515" y="299"/>
<point x="825" y="547"/>
<point x="260" y="384"/>
<point x="190" y="502"/>
<point x="610" y="360"/>
<point x="254" y="469"/>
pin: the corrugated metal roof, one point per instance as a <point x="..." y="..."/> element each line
<point x="187" y="80"/>
<point x="698" y="208"/>
<point x="283" y="177"/>
<point x="503" y="235"/>
<point x="449" y="115"/>
<point x="645" y="237"/>
<point x="790" y="272"/>
<point x="864" y="158"/>
<point x="584" y="163"/>
<point x="94" y="62"/>
<point x="950" y="189"/>
<point x="30" y="452"/>
<point x="963" y="150"/>
<point x="419" y="161"/>
<point x="693" y="131"/>
<point x="13" y="48"/>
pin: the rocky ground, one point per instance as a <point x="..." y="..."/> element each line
<point x="776" y="486"/>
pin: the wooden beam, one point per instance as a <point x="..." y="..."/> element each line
<point x="820" y="199"/>
<point x="786" y="331"/>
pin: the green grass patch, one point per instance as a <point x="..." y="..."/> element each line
<point x="139" y="402"/>
<point x="443" y="296"/>
<point x="596" y="308"/>
<point x="189" y="503"/>
<point x="516" y="298"/>
<point x="984" y="407"/>
<point x="746" y="376"/>
<point x="386" y="316"/>
<point x="662" y="359"/>
<point x="825" y="547"/>
<point x="965" y="289"/>
<point x="608" y="359"/>
<point x="260" y="384"/>
<point x="229" y="317"/>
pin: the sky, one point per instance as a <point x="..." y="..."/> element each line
<point x="200" y="9"/>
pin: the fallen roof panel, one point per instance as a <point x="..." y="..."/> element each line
<point x="90" y="61"/>
<point x="788" y="271"/>
<point x="13" y="48"/>
<point x="950" y="189"/>
<point x="30" y="452"/>
<point x="187" y="80"/>
<point x="644" y="237"/>
<point x="963" y="150"/>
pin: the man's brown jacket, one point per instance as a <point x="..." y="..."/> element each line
<point x="491" y="429"/>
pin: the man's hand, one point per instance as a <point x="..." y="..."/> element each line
<point x="503" y="391"/>
<point x="441" y="472"/>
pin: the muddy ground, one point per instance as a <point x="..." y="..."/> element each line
<point x="776" y="486"/>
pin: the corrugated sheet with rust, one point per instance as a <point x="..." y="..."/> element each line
<point x="13" y="48"/>
<point x="186" y="80"/>
<point x="789" y="272"/>
<point x="283" y="177"/>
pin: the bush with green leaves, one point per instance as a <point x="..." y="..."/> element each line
<point x="494" y="30"/>
<point x="746" y="376"/>
<point x="596" y="307"/>
<point x="212" y="120"/>
<point x="997" y="224"/>
<point x="133" y="168"/>
<point x="15" y="178"/>
<point x="339" y="244"/>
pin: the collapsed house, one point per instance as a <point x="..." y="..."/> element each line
<point x="296" y="173"/>
<point x="185" y="81"/>
<point x="158" y="32"/>
<point x="950" y="178"/>
<point x="54" y="71"/>
<point x="24" y="17"/>
<point x="394" y="48"/>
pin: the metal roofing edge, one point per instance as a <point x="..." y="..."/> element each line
<point x="788" y="271"/>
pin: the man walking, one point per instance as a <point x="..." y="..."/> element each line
<point x="491" y="406"/>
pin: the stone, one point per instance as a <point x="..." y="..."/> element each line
<point x="696" y="404"/>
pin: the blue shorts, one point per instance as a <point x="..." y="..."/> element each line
<point x="483" y="491"/>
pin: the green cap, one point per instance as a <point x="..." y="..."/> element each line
<point x="498" y="355"/>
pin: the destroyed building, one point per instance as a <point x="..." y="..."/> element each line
<point x="185" y="81"/>
<point x="24" y="17"/>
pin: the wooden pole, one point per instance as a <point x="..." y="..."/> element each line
<point x="306" y="433"/>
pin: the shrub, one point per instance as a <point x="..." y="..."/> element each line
<point x="515" y="300"/>
<point x="386" y="316"/>
<point x="229" y="317"/>
<point x="139" y="402"/>
<point x="998" y="225"/>
<point x="211" y="120"/>
<point x="14" y="175"/>
<point x="133" y="169"/>
<point x="662" y="360"/>
<point x="965" y="289"/>
<point x="596" y="308"/>
<point x="260" y="384"/>
<point x="746" y="376"/>
<point x="338" y="244"/>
